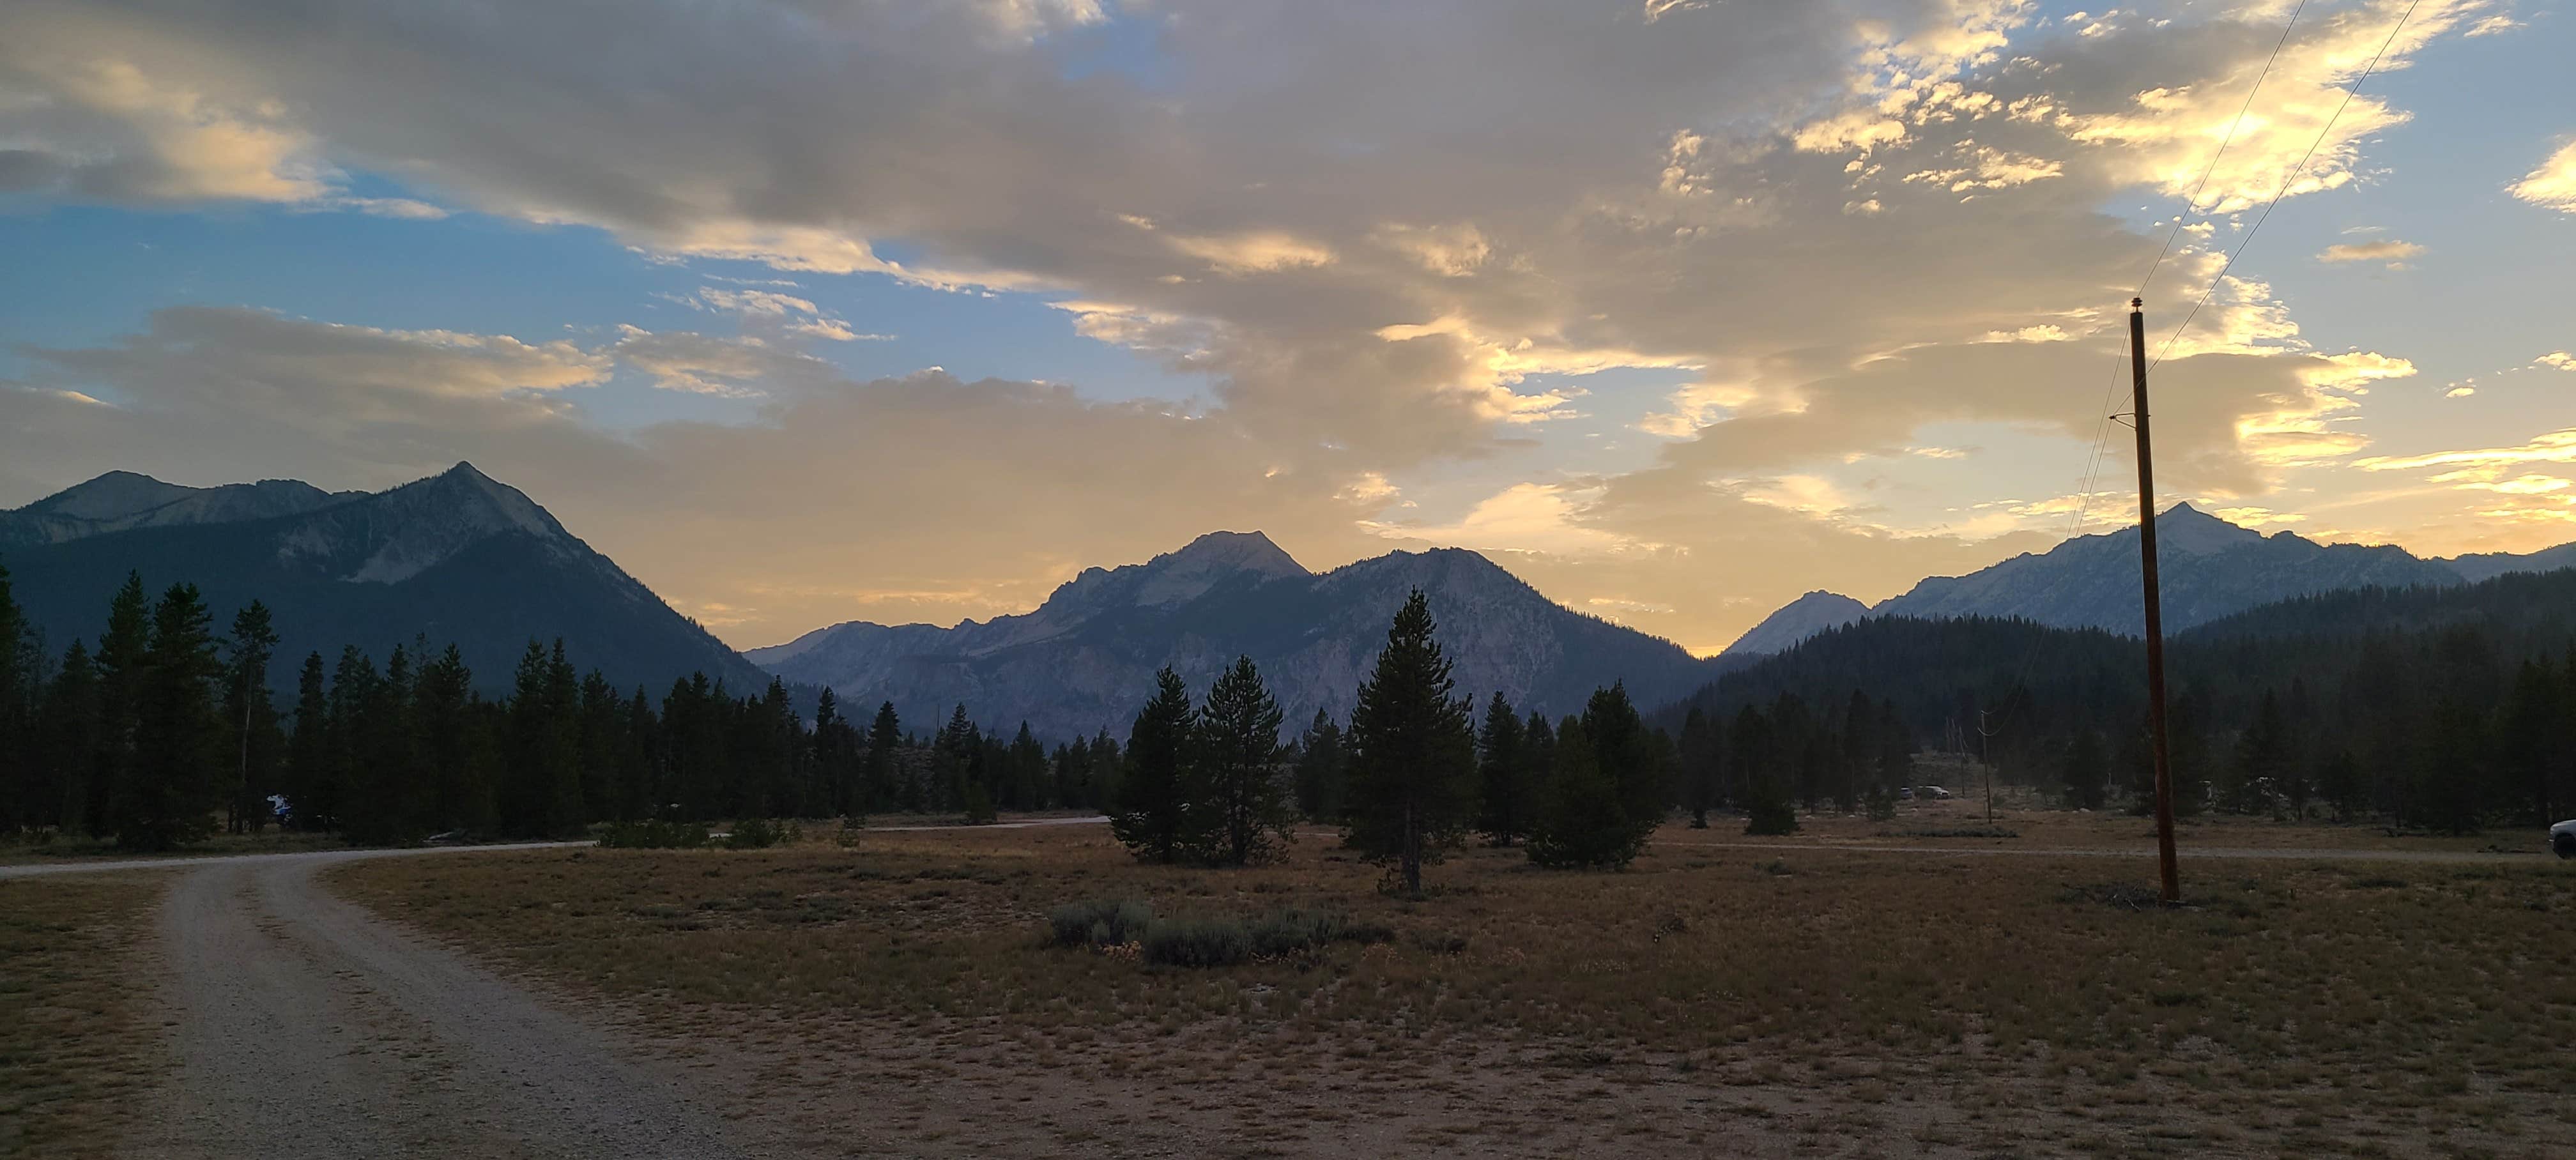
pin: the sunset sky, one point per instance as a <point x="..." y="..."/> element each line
<point x="808" y="311"/>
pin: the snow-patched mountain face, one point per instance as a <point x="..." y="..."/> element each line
<point x="1085" y="659"/>
<point x="2208" y="568"/>
<point x="395" y="535"/>
<point x="456" y="558"/>
<point x="1797" y="620"/>
<point x="121" y="500"/>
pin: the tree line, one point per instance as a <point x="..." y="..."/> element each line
<point x="165" y="732"/>
<point x="2444" y="708"/>
<point x="1415" y="774"/>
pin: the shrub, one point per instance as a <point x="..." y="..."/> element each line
<point x="1100" y="922"/>
<point x="753" y="834"/>
<point x="654" y="835"/>
<point x="1204" y="942"/>
<point x="1197" y="942"/>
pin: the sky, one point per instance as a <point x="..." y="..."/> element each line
<point x="808" y="311"/>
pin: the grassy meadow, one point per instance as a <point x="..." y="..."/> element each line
<point x="77" y="1038"/>
<point x="1847" y="991"/>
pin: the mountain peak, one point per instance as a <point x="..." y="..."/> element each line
<point x="2184" y="528"/>
<point x="110" y="496"/>
<point x="1797" y="620"/>
<point x="1246" y="551"/>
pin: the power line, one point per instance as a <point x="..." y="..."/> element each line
<point x="2192" y="206"/>
<point x="2286" y="179"/>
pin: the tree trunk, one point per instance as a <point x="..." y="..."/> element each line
<point x="1412" y="854"/>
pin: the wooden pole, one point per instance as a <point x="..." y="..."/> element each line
<point x="2155" y="614"/>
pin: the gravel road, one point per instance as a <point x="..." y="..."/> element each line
<point x="305" y="1027"/>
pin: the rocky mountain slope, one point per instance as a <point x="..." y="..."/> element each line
<point x="1085" y="659"/>
<point x="458" y="558"/>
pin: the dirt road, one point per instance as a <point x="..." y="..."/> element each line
<point x="304" y="1027"/>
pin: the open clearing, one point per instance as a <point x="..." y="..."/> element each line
<point x="891" y="997"/>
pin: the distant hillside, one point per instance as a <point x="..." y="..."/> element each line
<point x="121" y="500"/>
<point x="1943" y="670"/>
<point x="1085" y="659"/>
<point x="2210" y="568"/>
<point x="1796" y="621"/>
<point x="458" y="558"/>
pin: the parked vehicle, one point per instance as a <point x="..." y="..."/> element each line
<point x="1934" y="792"/>
<point x="2562" y="838"/>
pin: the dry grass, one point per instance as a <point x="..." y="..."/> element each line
<point x="75" y="1052"/>
<point x="82" y="847"/>
<point x="1823" y="1001"/>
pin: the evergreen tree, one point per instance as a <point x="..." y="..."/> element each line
<point x="173" y="785"/>
<point x="252" y="718"/>
<point x="1583" y="824"/>
<point x="309" y="749"/>
<point x="1506" y="791"/>
<point x="1757" y="755"/>
<point x="1153" y="816"/>
<point x="885" y="735"/>
<point x="1320" y="770"/>
<point x="121" y="669"/>
<point x="1413" y="752"/>
<point x="18" y="777"/>
<point x="67" y="737"/>
<point x="457" y="777"/>
<point x="2262" y="761"/>
<point x="1237" y="780"/>
<point x="2085" y="770"/>
<point x="1702" y="765"/>
<point x="1606" y="794"/>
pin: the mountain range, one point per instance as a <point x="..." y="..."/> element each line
<point x="457" y="558"/>
<point x="2209" y="569"/>
<point x="1086" y="658"/>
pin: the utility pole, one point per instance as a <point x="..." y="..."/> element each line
<point x="2154" y="604"/>
<point x="1986" y="733"/>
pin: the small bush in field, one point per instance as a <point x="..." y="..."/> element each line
<point x="654" y="835"/>
<point x="1100" y="922"/>
<point x="1197" y="942"/>
<point x="1203" y="942"/>
<point x="754" y="834"/>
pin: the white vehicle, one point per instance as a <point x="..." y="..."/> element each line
<point x="1934" y="792"/>
<point x="2562" y="838"/>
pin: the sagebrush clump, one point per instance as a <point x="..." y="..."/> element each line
<point x="1201" y="941"/>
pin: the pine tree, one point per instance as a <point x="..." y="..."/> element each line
<point x="68" y="742"/>
<point x="1606" y="793"/>
<point x="18" y="778"/>
<point x="308" y="751"/>
<point x="173" y="784"/>
<point x="1320" y="770"/>
<point x="121" y="668"/>
<point x="1505" y="791"/>
<point x="1756" y="756"/>
<point x="2085" y="770"/>
<point x="1237" y="780"/>
<point x="1152" y="815"/>
<point x="1413" y="752"/>
<point x="1702" y="765"/>
<point x="885" y="736"/>
<point x="457" y="781"/>
<point x="1582" y="824"/>
<point x="251" y="717"/>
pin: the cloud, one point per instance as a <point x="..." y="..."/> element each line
<point x="1252" y="252"/>
<point x="2553" y="185"/>
<point x="2557" y="359"/>
<point x="215" y="395"/>
<point x="2388" y="250"/>
<point x="1845" y="220"/>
